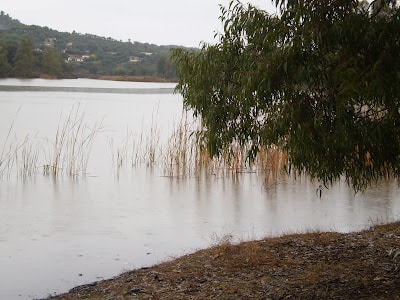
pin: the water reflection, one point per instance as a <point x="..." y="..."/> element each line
<point x="99" y="226"/>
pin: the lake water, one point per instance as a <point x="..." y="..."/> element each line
<point x="63" y="231"/>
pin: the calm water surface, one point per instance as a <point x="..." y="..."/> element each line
<point x="57" y="233"/>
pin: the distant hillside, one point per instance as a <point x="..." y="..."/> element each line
<point x="83" y="55"/>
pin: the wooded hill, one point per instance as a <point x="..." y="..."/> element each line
<point x="31" y="51"/>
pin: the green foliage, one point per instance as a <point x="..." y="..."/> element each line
<point x="24" y="60"/>
<point x="6" y="21"/>
<point x="53" y="63"/>
<point x="5" y="67"/>
<point x="165" y="67"/>
<point x="320" y="80"/>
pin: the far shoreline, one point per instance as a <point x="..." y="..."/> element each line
<point x="135" y="78"/>
<point x="154" y="79"/>
<point x="117" y="78"/>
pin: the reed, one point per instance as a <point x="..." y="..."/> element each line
<point x="134" y="149"/>
<point x="19" y="157"/>
<point x="152" y="146"/>
<point x="118" y="154"/>
<point x="72" y="145"/>
<point x="272" y="162"/>
<point x="179" y="153"/>
<point x="8" y="157"/>
<point x="185" y="156"/>
<point x="29" y="157"/>
<point x="9" y="151"/>
<point x="127" y="152"/>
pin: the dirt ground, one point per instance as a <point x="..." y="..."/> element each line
<point x="317" y="265"/>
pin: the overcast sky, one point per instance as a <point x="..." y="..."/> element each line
<point x="177" y="22"/>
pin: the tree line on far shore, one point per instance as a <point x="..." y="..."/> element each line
<point x="22" y="61"/>
<point x="28" y="51"/>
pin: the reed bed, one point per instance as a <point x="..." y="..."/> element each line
<point x="73" y="144"/>
<point x="29" y="157"/>
<point x="7" y="157"/>
<point x="181" y="152"/>
<point x="68" y="154"/>
<point x="184" y="155"/>
<point x="137" y="149"/>
<point x="10" y="151"/>
<point x="134" y="150"/>
<point x="20" y="157"/>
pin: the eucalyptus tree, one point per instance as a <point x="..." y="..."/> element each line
<point x="320" y="79"/>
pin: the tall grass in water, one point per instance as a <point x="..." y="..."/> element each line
<point x="69" y="153"/>
<point x="185" y="156"/>
<point x="180" y="152"/>
<point x="152" y="143"/>
<point x="19" y="157"/>
<point x="181" y="156"/>
<point x="135" y="149"/>
<point x="271" y="161"/>
<point x="129" y="152"/>
<point x="72" y="145"/>
<point x="28" y="157"/>
<point x="7" y="157"/>
<point x="9" y="151"/>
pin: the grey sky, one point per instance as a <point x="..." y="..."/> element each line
<point x="178" y="22"/>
